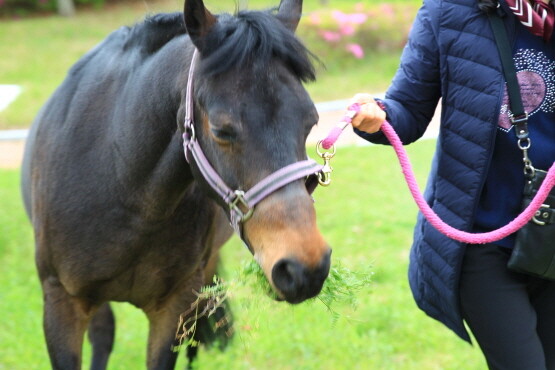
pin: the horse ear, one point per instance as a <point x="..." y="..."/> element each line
<point x="289" y="13"/>
<point x="198" y="21"/>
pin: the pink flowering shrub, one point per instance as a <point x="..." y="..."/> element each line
<point x="366" y="28"/>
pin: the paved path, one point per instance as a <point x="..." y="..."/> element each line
<point x="8" y="93"/>
<point x="11" y="153"/>
<point x="11" y="149"/>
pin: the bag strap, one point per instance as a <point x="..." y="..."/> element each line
<point x="519" y="117"/>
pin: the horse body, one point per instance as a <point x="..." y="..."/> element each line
<point x="117" y="212"/>
<point x="142" y="195"/>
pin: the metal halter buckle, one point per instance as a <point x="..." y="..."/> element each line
<point x="234" y="206"/>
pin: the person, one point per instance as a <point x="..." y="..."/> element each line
<point x="476" y="178"/>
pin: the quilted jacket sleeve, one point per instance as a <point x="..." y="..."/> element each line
<point x="416" y="88"/>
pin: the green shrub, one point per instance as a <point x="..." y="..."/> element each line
<point x="28" y="7"/>
<point x="25" y="7"/>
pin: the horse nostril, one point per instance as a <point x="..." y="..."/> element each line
<point x="298" y="283"/>
<point x="287" y="276"/>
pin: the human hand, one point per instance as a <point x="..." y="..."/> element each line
<point x="370" y="117"/>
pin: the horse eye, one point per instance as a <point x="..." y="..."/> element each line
<point x="224" y="134"/>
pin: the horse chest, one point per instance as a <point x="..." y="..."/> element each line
<point x="159" y="277"/>
<point x="138" y="261"/>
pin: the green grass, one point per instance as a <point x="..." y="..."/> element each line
<point x="38" y="51"/>
<point x="367" y="216"/>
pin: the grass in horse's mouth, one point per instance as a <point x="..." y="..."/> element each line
<point x="341" y="287"/>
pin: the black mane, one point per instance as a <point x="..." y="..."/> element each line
<point x="156" y="31"/>
<point x="250" y="40"/>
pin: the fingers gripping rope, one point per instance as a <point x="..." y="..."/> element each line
<point x="431" y="216"/>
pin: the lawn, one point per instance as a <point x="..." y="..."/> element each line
<point x="366" y="215"/>
<point x="38" y="51"/>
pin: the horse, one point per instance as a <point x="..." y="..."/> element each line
<point x="119" y="213"/>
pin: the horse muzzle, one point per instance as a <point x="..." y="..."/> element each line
<point x="296" y="282"/>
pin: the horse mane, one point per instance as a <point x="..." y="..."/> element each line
<point x="250" y="39"/>
<point x="155" y="31"/>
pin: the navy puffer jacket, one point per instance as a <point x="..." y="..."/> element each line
<point x="451" y="54"/>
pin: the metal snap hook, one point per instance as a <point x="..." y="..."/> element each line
<point x="324" y="176"/>
<point x="325" y="153"/>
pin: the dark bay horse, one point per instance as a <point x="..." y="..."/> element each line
<point x="120" y="215"/>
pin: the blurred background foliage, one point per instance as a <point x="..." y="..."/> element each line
<point x="357" y="44"/>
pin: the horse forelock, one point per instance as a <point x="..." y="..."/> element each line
<point x="249" y="41"/>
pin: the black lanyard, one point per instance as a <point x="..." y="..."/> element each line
<point x="519" y="117"/>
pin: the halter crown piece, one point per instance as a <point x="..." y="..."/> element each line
<point x="241" y="203"/>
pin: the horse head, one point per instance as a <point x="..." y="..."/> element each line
<point x="252" y="118"/>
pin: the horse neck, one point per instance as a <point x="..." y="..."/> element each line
<point x="148" y="145"/>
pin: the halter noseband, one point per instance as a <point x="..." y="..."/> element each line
<point x="240" y="203"/>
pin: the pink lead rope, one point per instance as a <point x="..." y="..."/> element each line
<point x="431" y="216"/>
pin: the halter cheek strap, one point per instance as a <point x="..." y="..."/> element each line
<point x="240" y="203"/>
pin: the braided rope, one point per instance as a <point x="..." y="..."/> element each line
<point x="431" y="216"/>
